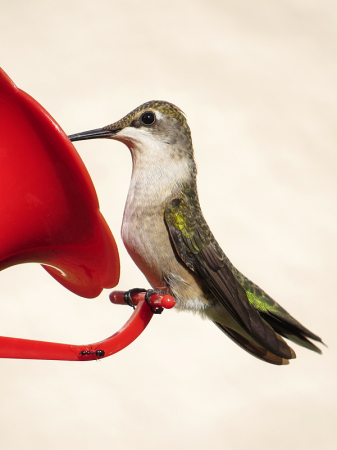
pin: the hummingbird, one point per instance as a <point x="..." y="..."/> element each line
<point x="168" y="238"/>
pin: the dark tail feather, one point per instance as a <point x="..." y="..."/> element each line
<point x="302" y="341"/>
<point x="254" y="349"/>
<point x="295" y="332"/>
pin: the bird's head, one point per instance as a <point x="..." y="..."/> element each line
<point x="156" y="129"/>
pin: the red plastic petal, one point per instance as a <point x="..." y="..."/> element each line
<point x="48" y="205"/>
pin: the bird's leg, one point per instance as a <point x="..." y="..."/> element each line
<point x="148" y="295"/>
<point x="128" y="296"/>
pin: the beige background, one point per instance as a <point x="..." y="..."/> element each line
<point x="257" y="81"/>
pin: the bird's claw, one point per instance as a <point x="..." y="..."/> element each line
<point x="128" y="296"/>
<point x="148" y="294"/>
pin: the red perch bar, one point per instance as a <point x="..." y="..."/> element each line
<point x="30" y="349"/>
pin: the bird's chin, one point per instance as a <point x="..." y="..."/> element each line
<point x="122" y="139"/>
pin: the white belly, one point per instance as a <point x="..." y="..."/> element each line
<point x="146" y="238"/>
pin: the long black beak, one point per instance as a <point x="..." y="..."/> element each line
<point x="93" y="134"/>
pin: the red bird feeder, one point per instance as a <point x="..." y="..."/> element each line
<point x="50" y="215"/>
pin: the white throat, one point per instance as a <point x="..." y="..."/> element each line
<point x="157" y="172"/>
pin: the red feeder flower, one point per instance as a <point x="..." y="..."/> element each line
<point x="50" y="215"/>
<point x="48" y="206"/>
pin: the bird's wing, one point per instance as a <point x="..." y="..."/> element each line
<point x="198" y="249"/>
<point x="280" y="320"/>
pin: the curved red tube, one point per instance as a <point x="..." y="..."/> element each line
<point x="30" y="349"/>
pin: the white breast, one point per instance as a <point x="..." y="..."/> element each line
<point x="157" y="177"/>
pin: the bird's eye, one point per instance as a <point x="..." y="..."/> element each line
<point x="148" y="118"/>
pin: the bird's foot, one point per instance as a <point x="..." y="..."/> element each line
<point x="148" y="294"/>
<point x="128" y="296"/>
